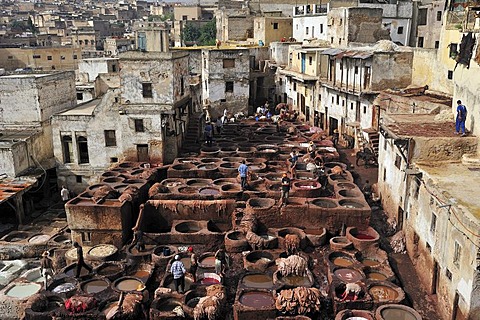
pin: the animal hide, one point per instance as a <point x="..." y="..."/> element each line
<point x="292" y="243"/>
<point x="298" y="301"/>
<point x="294" y="264"/>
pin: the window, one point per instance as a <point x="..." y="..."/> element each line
<point x="321" y="28"/>
<point x="450" y="75"/>
<point x="79" y="179"/>
<point x="139" y="125"/>
<point x="351" y="106"/>
<point x="62" y="57"/>
<point x="306" y="30"/>
<point x="86" y="236"/>
<point x="422" y="17"/>
<point x="457" y="253"/>
<point x="182" y="86"/>
<point x="420" y="42"/>
<point x="433" y="223"/>
<point x="275" y="25"/>
<point x="437" y="44"/>
<point x="398" y="161"/>
<point x="416" y="189"/>
<point x="184" y="18"/>
<point x="364" y="109"/>
<point x="338" y="99"/>
<point x="294" y="86"/>
<point x="439" y="15"/>
<point x="114" y="68"/>
<point x="67" y="149"/>
<point x="310" y="61"/>
<point x="333" y="99"/>
<point x="453" y="50"/>
<point x="79" y="95"/>
<point x="75" y="57"/>
<point x="229" y="86"/>
<point x="49" y="57"/>
<point x="113" y="159"/>
<point x="147" y="90"/>
<point x="110" y="140"/>
<point x="448" y="273"/>
<point x="36" y="56"/>
<point x="400" y="30"/>
<point x="229" y="63"/>
<point x="10" y="57"/>
<point x="296" y="26"/>
<point x="384" y="174"/>
<point x="83" y="150"/>
<point x="356" y="69"/>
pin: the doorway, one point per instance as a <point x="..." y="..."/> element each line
<point x="400" y="219"/>
<point x="436" y="276"/>
<point x="332" y="125"/>
<point x="142" y="152"/>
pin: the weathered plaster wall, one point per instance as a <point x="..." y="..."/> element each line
<point x="428" y="70"/>
<point x="92" y="67"/>
<point x="364" y="24"/>
<point x="399" y="65"/>
<point x="317" y="27"/>
<point x="442" y="149"/>
<point x="27" y="100"/>
<point x="264" y="29"/>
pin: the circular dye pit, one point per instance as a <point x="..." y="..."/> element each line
<point x="128" y="284"/>
<point x="168" y="305"/>
<point x="209" y="191"/>
<point x="198" y="182"/>
<point x="64" y="288"/>
<point x="109" y="269"/>
<point x="348" y="275"/>
<point x="350" y="193"/>
<point x="143" y="275"/>
<point x="356" y="318"/>
<point x="342" y="261"/>
<point x="296" y="281"/>
<point x="207" y="262"/>
<point x="363" y="236"/>
<point x="350" y="204"/>
<point x="62" y="239"/>
<point x="209" y="166"/>
<point x="102" y="251"/>
<point x="324" y="203"/>
<point x="370" y="262"/>
<point x="39" y="239"/>
<point x="376" y="276"/>
<point x="16" y="236"/>
<point x="259" y="256"/>
<point x="397" y="314"/>
<point x="346" y="186"/>
<point x="257" y="299"/>
<point x="188" y="227"/>
<point x="23" y="290"/>
<point x="382" y="293"/>
<point x="258" y="281"/>
<point x="94" y="286"/>
<point x="210" y="278"/>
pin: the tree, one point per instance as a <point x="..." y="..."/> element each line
<point x="208" y="33"/>
<point x="190" y="33"/>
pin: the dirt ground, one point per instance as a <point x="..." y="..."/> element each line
<point x="401" y="264"/>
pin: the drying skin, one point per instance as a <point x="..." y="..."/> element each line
<point x="293" y="265"/>
<point x="248" y="223"/>
<point x="156" y="189"/>
<point x="292" y="243"/>
<point x="104" y="192"/>
<point x="298" y="301"/>
<point x="129" y="194"/>
<point x="255" y="241"/>
<point x="210" y="306"/>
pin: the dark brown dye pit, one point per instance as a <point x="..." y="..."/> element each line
<point x="370" y="262"/>
<point x="348" y="275"/>
<point x="296" y="281"/>
<point x="72" y="271"/>
<point x="142" y="275"/>
<point x="95" y="286"/>
<point x="314" y="231"/>
<point x="397" y="314"/>
<point x="258" y="281"/>
<point x="208" y="191"/>
<point x="168" y="306"/>
<point x="107" y="270"/>
<point x="257" y="299"/>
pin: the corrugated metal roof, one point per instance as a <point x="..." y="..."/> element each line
<point x="332" y="51"/>
<point x="355" y="54"/>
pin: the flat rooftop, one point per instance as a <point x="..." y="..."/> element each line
<point x="12" y="186"/>
<point x="9" y="138"/>
<point x="26" y="75"/>
<point x="451" y="179"/>
<point x="84" y="109"/>
<point x="420" y="125"/>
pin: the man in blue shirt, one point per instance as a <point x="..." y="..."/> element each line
<point x="243" y="171"/>
<point x="178" y="271"/>
<point x="461" y="117"/>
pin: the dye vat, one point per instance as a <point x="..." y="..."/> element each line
<point x="23" y="290"/>
<point x="143" y="275"/>
<point x="382" y="293"/>
<point x="342" y="262"/>
<point x="167" y="305"/>
<point x="296" y="281"/>
<point x="348" y="275"/>
<point x="72" y="270"/>
<point x="368" y="262"/>
<point x="376" y="276"/>
<point x="34" y="275"/>
<point x="396" y="312"/>
<point x="109" y="269"/>
<point x="64" y="288"/>
<point x="350" y="204"/>
<point x="364" y="236"/>
<point x="208" y="278"/>
<point x="102" y="252"/>
<point x="257" y="299"/>
<point x="258" y="281"/>
<point x="209" y="192"/>
<point x="188" y="227"/>
<point x="39" y="239"/>
<point x="94" y="286"/>
<point x="207" y="262"/>
<point x="127" y="284"/>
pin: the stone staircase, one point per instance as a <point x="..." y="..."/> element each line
<point x="193" y="137"/>
<point x="373" y="139"/>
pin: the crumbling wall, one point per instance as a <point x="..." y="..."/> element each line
<point x="364" y="25"/>
<point x="399" y="65"/>
<point x="442" y="149"/>
<point x="428" y="70"/>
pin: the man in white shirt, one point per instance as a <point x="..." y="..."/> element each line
<point x="65" y="194"/>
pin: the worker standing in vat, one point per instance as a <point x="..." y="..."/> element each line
<point x="178" y="271"/>
<point x="221" y="261"/>
<point x="65" y="194"/>
<point x="46" y="267"/>
<point x="461" y="118"/>
<point x="138" y="239"/>
<point x="193" y="264"/>
<point x="243" y="171"/>
<point x="80" y="262"/>
<point x="285" y="190"/>
<point x="208" y="132"/>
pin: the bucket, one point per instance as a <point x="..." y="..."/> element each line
<point x="166" y="251"/>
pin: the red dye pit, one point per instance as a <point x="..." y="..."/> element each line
<point x="209" y="281"/>
<point x="364" y="236"/>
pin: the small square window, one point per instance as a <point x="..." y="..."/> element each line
<point x="400" y="30"/>
<point x="36" y="56"/>
<point x="113" y="159"/>
<point x="275" y="25"/>
<point x="10" y="57"/>
<point x="356" y="69"/>
<point x="75" y="57"/>
<point x="229" y="63"/>
<point x="110" y="139"/>
<point x="147" y="90"/>
<point x="457" y="253"/>
<point x="437" y="44"/>
<point x="310" y="61"/>
<point x="62" y="57"/>
<point x="79" y="179"/>
<point x="49" y="57"/>
<point x="439" y="15"/>
<point x="139" y="125"/>
<point x="306" y="30"/>
<point x="229" y="86"/>
<point x="450" y="75"/>
<point x="79" y="95"/>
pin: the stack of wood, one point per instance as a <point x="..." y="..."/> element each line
<point x="298" y="301"/>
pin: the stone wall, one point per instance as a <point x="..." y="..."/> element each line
<point x="399" y="65"/>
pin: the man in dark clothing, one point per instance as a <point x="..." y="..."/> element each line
<point x="367" y="190"/>
<point x="461" y="118"/>
<point x="46" y="267"/>
<point x="208" y="134"/>
<point x="80" y="262"/>
<point x="285" y="189"/>
<point x="138" y="240"/>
